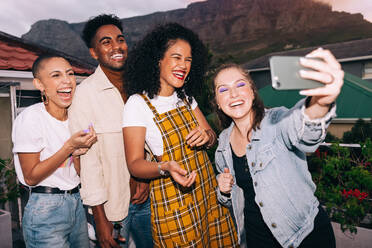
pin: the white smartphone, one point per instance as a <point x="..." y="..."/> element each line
<point x="285" y="74"/>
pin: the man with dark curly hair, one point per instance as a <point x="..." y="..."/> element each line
<point x="105" y="179"/>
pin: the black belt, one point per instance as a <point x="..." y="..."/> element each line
<point x="50" y="190"/>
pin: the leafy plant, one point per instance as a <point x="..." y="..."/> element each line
<point x="359" y="133"/>
<point x="344" y="183"/>
<point x="330" y="138"/>
<point x="9" y="189"/>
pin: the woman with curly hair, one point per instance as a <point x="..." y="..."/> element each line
<point x="163" y="74"/>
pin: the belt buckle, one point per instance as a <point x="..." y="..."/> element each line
<point x="69" y="191"/>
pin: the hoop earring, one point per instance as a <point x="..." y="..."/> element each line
<point x="186" y="80"/>
<point x="44" y="98"/>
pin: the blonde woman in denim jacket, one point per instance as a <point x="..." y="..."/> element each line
<point x="261" y="157"/>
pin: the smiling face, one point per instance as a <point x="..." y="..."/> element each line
<point x="234" y="94"/>
<point x="56" y="78"/>
<point x="109" y="47"/>
<point x="174" y="67"/>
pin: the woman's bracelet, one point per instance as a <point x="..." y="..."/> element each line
<point x="161" y="171"/>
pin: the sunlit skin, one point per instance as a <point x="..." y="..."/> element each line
<point x="109" y="47"/>
<point x="56" y="78"/>
<point x="234" y="96"/>
<point x="174" y="67"/>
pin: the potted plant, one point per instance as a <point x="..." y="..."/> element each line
<point x="8" y="191"/>
<point x="8" y="187"/>
<point x="343" y="177"/>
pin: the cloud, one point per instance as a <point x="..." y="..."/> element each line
<point x="353" y="6"/>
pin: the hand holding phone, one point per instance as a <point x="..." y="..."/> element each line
<point x="321" y="79"/>
<point x="285" y="74"/>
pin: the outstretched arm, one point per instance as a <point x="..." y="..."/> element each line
<point x="329" y="72"/>
<point x="304" y="125"/>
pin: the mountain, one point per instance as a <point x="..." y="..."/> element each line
<point x="245" y="29"/>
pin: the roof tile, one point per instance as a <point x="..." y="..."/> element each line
<point x="17" y="54"/>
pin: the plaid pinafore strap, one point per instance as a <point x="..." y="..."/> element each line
<point x="187" y="217"/>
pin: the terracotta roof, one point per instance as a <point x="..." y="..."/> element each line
<point x="18" y="54"/>
<point x="342" y="50"/>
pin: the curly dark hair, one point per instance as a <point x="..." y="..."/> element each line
<point x="142" y="73"/>
<point x="94" y="23"/>
<point x="257" y="105"/>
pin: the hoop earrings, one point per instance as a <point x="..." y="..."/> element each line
<point x="186" y="80"/>
<point x="44" y="98"/>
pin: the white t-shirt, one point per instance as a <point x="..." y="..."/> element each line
<point x="35" y="130"/>
<point x="138" y="114"/>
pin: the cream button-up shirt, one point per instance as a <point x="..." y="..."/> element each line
<point x="104" y="174"/>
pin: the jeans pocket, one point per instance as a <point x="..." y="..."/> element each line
<point x="47" y="209"/>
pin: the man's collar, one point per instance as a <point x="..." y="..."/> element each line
<point x="103" y="82"/>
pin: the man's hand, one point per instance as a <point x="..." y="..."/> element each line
<point x="139" y="191"/>
<point x="103" y="228"/>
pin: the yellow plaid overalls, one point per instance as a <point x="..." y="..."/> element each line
<point x="187" y="217"/>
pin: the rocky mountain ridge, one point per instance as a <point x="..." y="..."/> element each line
<point x="244" y="29"/>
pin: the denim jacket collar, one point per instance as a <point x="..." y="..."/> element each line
<point x="224" y="139"/>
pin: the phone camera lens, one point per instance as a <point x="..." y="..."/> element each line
<point x="276" y="84"/>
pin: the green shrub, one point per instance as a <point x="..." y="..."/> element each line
<point x="344" y="183"/>
<point x="359" y="133"/>
<point x="9" y="189"/>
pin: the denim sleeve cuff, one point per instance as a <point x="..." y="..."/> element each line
<point x="319" y="123"/>
<point x="224" y="200"/>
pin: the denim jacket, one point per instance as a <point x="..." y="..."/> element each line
<point x="282" y="182"/>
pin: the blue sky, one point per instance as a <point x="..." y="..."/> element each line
<point x="17" y="16"/>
